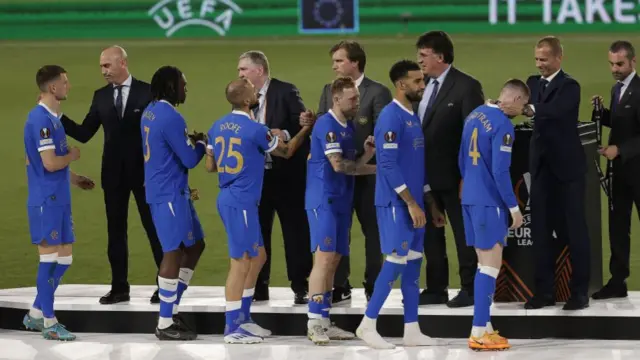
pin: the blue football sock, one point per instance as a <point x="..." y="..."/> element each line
<point x="328" y="299"/>
<point x="484" y="286"/>
<point x="247" y="299"/>
<point x="184" y="278"/>
<point x="411" y="290"/>
<point x="233" y="316"/>
<point x="382" y="288"/>
<point x="63" y="265"/>
<point x="316" y="304"/>
<point x="45" y="284"/>
<point x="168" y="295"/>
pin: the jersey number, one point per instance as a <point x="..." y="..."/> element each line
<point x="147" y="152"/>
<point x="473" y="147"/>
<point x="230" y="154"/>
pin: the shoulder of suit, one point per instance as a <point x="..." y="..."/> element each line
<point x="461" y="75"/>
<point x="281" y="84"/>
<point x="374" y="84"/>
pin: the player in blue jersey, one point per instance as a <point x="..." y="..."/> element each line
<point x="329" y="201"/>
<point x="488" y="199"/>
<point x="169" y="152"/>
<point x="236" y="150"/>
<point x="49" y="202"/>
<point x="401" y="187"/>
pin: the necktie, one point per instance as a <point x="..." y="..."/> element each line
<point x="617" y="91"/>
<point x="119" y="101"/>
<point x="543" y="86"/>
<point x="432" y="99"/>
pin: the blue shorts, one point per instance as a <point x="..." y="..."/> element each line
<point x="485" y="226"/>
<point x="329" y="230"/>
<point x="177" y="223"/>
<point x="243" y="230"/>
<point x="397" y="233"/>
<point x="52" y="224"/>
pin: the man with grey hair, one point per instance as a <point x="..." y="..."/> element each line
<point x="280" y="108"/>
<point x="118" y="107"/>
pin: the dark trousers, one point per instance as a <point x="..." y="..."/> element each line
<point x="559" y="206"/>
<point x="435" y="247"/>
<point x="116" y="201"/>
<point x="283" y="193"/>
<point x="363" y="205"/>
<point x="626" y="191"/>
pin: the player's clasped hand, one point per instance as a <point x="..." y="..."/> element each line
<point x="307" y="118"/>
<point x="517" y="220"/>
<point x="195" y="194"/>
<point x="198" y="136"/>
<point x="370" y="145"/>
<point x="85" y="183"/>
<point x="417" y="215"/>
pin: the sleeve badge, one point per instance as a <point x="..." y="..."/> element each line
<point x="45" y="133"/>
<point x="331" y="137"/>
<point x="389" y="136"/>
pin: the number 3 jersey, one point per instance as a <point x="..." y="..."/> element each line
<point x="239" y="145"/>
<point x="485" y="157"/>
<point x="168" y="152"/>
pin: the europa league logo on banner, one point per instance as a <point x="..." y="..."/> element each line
<point x="522" y="235"/>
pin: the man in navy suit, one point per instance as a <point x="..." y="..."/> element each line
<point x="558" y="167"/>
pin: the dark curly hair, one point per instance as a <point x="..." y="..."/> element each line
<point x="165" y="84"/>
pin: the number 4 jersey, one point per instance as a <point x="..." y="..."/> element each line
<point x="485" y="158"/>
<point x="239" y="145"/>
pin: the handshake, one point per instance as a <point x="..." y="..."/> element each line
<point x="198" y="136"/>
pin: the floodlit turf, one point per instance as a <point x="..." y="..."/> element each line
<point x="208" y="66"/>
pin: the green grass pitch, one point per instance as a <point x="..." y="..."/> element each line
<point x="209" y="65"/>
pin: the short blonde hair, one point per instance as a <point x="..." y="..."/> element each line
<point x="257" y="58"/>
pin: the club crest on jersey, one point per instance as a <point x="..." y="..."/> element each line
<point x="45" y="133"/>
<point x="332" y="137"/>
<point x="389" y="136"/>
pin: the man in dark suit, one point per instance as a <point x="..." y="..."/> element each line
<point x="450" y="96"/>
<point x="349" y="59"/>
<point x="280" y="108"/>
<point x="623" y="117"/>
<point x="118" y="107"/>
<point x="558" y="167"/>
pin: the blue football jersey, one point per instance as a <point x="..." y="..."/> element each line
<point x="485" y="158"/>
<point x="324" y="185"/>
<point x="168" y="152"/>
<point x="239" y="145"/>
<point x="400" y="153"/>
<point x="44" y="131"/>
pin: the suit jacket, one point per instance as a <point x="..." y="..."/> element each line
<point x="457" y="97"/>
<point x="555" y="139"/>
<point x="122" y="158"/>
<point x="373" y="98"/>
<point x="624" y="122"/>
<point x="283" y="109"/>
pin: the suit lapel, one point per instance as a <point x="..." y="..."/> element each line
<point x="363" y="89"/>
<point x="633" y="85"/>
<point x="269" y="102"/>
<point x="447" y="85"/>
<point x="552" y="86"/>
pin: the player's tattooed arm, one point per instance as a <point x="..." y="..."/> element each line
<point x="286" y="150"/>
<point x="349" y="167"/>
<point x="210" y="162"/>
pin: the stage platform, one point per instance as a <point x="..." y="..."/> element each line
<point x="78" y="308"/>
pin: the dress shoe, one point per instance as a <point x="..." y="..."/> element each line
<point x="261" y="293"/>
<point x="576" y="302"/>
<point x="114" y="298"/>
<point x="463" y="299"/>
<point x="301" y="298"/>
<point x="155" y="298"/>
<point x="341" y="296"/>
<point x="539" y="301"/>
<point x="611" y="291"/>
<point x="433" y="298"/>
